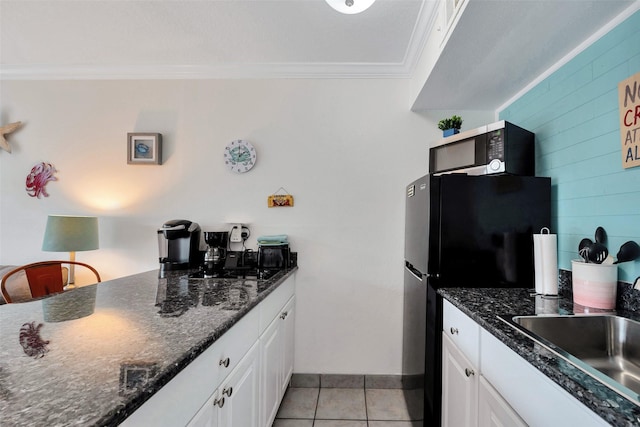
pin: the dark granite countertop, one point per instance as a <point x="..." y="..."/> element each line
<point x="60" y="369"/>
<point x="484" y="306"/>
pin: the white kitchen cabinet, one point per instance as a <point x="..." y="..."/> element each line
<point x="459" y="387"/>
<point x="449" y="10"/>
<point x="533" y="398"/>
<point x="223" y="386"/>
<point x="241" y="391"/>
<point x="463" y="331"/>
<point x="288" y="344"/>
<point x="194" y="385"/>
<point x="493" y="410"/>
<point x="468" y="399"/>
<point x="532" y="395"/>
<point x="209" y="414"/>
<point x="236" y="401"/>
<point x="276" y="349"/>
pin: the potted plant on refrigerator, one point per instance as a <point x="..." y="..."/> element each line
<point x="450" y="126"/>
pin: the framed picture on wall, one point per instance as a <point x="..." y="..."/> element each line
<point x="144" y="148"/>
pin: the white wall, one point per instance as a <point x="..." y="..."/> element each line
<point x="343" y="148"/>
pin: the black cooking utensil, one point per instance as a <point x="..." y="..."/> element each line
<point x="597" y="253"/>
<point x="629" y="251"/>
<point x="583" y="248"/>
<point x="601" y="236"/>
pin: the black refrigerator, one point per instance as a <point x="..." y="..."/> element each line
<point x="462" y="231"/>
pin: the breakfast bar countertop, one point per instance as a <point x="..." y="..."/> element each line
<point x="59" y="369"/>
<point x="484" y="306"/>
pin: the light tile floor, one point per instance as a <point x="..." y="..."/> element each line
<point x="347" y="407"/>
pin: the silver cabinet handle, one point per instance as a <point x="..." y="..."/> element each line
<point x="224" y="362"/>
<point x="454" y="331"/>
<point x="228" y="391"/>
<point x="468" y="372"/>
<point x="218" y="402"/>
<point x="284" y="315"/>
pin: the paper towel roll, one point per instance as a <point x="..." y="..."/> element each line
<point x="545" y="256"/>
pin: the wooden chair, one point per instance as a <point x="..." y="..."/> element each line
<point x="42" y="278"/>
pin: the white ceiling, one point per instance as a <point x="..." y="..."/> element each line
<point x="505" y="42"/>
<point x="209" y="38"/>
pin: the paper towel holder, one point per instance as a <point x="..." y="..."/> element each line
<point x="545" y="263"/>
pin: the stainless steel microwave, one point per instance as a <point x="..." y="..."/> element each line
<point x="497" y="148"/>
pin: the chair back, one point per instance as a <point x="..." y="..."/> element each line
<point x="42" y="278"/>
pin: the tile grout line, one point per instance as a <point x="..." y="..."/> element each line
<point x="366" y="408"/>
<point x="315" y="413"/>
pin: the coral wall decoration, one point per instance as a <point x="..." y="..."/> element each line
<point x="38" y="178"/>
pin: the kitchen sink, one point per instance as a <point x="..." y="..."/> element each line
<point x="607" y="347"/>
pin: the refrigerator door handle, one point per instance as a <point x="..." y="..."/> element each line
<point x="414" y="272"/>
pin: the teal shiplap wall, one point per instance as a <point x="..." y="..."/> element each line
<point x="574" y="114"/>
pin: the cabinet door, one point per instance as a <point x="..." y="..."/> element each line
<point x="459" y="387"/>
<point x="241" y="393"/>
<point x="493" y="410"/>
<point x="209" y="414"/>
<point x="288" y="337"/>
<point x="271" y="369"/>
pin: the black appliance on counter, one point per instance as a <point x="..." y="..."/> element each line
<point x="179" y="245"/>
<point x="274" y="257"/>
<point x="216" y="253"/>
<point x="462" y="231"/>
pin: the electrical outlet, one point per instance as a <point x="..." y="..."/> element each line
<point x="236" y="233"/>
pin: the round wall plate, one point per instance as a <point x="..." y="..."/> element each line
<point x="240" y="156"/>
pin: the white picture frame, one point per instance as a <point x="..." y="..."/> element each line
<point x="144" y="149"/>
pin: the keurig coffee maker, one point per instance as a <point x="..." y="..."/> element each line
<point x="179" y="245"/>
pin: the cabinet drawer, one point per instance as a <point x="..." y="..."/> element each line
<point x="271" y="306"/>
<point x="463" y="331"/>
<point x="233" y="345"/>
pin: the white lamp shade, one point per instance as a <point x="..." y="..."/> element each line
<point x="357" y="6"/>
<point x="70" y="233"/>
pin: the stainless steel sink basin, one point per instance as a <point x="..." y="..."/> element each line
<point x="607" y="347"/>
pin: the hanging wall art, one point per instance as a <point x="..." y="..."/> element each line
<point x="38" y="178"/>
<point x="144" y="148"/>
<point x="280" y="200"/>
<point x="5" y="130"/>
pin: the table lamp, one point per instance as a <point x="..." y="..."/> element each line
<point x="70" y="234"/>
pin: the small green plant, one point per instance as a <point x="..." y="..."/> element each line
<point x="455" y="122"/>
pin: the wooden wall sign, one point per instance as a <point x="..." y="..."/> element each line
<point x="280" y="200"/>
<point x="629" y="107"/>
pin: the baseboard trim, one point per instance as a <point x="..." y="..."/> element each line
<point x="355" y="381"/>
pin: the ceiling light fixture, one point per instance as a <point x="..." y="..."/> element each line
<point x="350" y="6"/>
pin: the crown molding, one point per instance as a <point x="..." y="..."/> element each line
<point x="177" y="72"/>
<point x="404" y="69"/>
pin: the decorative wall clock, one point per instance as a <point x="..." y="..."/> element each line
<point x="240" y="156"/>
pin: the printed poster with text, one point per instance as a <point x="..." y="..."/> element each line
<point x="629" y="99"/>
